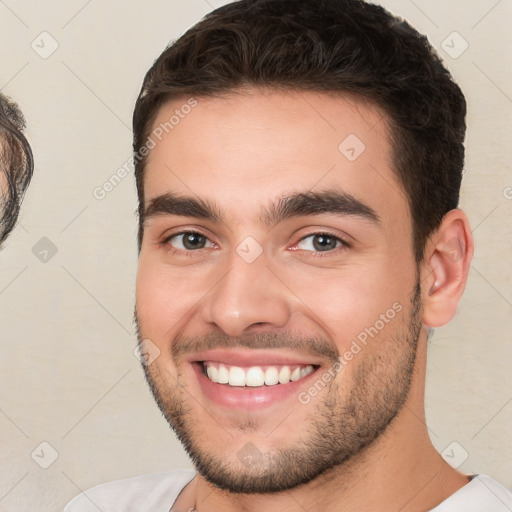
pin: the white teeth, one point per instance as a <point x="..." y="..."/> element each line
<point x="236" y="376"/>
<point x="223" y="375"/>
<point x="295" y="375"/>
<point x="255" y="376"/>
<point x="284" y="375"/>
<point x="271" y="376"/>
<point x="212" y="373"/>
<point x="306" y="371"/>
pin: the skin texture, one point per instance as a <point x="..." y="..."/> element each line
<point x="240" y="153"/>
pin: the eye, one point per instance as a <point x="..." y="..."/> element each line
<point x="188" y="241"/>
<point x="321" y="242"/>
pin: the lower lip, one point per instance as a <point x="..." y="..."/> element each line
<point x="250" y="398"/>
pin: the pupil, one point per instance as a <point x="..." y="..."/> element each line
<point x="193" y="241"/>
<point x="323" y="243"/>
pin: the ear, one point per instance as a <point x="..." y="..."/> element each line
<point x="445" y="269"/>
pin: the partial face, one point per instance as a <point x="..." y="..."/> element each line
<point x="277" y="283"/>
<point x="5" y="204"/>
<point x="16" y="167"/>
<point x="3" y="192"/>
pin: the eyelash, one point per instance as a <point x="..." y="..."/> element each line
<point x="325" y="254"/>
<point x="315" y="254"/>
<point x="172" y="250"/>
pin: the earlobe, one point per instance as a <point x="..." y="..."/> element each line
<point x="445" y="270"/>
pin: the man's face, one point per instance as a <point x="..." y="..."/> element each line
<point x="277" y="240"/>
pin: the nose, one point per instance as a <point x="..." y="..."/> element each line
<point x="248" y="295"/>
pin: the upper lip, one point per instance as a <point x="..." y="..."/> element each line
<point x="253" y="357"/>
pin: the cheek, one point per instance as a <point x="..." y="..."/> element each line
<point x="156" y="293"/>
<point x="166" y="297"/>
<point x="348" y="302"/>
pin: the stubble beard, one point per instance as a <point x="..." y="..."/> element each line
<point x="347" y="420"/>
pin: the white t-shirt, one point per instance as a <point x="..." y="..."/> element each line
<point x="158" y="492"/>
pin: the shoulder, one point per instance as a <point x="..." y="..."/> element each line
<point x="481" y="494"/>
<point x="145" y="493"/>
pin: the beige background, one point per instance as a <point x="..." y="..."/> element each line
<point x="68" y="376"/>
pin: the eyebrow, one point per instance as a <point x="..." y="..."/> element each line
<point x="316" y="203"/>
<point x="286" y="207"/>
<point x="172" y="204"/>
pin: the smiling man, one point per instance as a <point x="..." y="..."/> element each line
<point x="298" y="166"/>
<point x="16" y="164"/>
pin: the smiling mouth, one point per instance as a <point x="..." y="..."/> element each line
<point x="255" y="376"/>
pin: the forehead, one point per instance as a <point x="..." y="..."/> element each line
<point x="247" y="147"/>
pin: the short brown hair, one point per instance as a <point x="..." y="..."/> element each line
<point x="330" y="46"/>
